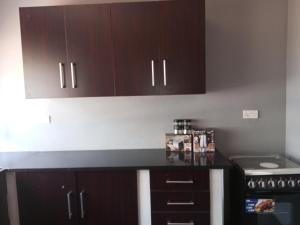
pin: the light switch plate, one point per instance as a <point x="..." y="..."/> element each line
<point x="250" y="114"/>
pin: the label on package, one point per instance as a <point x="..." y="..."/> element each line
<point x="259" y="206"/>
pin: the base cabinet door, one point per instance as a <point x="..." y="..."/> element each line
<point x="46" y="198"/>
<point x="77" y="198"/>
<point x="108" y="198"/>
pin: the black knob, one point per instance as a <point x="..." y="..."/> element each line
<point x="281" y="183"/>
<point x="251" y="184"/>
<point x="291" y="183"/>
<point x="261" y="183"/>
<point x="271" y="183"/>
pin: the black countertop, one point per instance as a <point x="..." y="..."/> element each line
<point x="110" y="159"/>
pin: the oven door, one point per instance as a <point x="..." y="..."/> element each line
<point x="272" y="209"/>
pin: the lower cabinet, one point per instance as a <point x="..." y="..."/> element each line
<point x="180" y="197"/>
<point x="87" y="198"/>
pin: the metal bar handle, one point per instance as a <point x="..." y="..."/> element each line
<point x="82" y="211"/>
<point x="153" y="73"/>
<point x="180" y="203"/>
<point x="189" y="223"/>
<point x="70" y="214"/>
<point x="165" y="72"/>
<point x="73" y="75"/>
<point x="179" y="181"/>
<point x="62" y="75"/>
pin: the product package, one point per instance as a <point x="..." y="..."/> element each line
<point x="178" y="143"/>
<point x="204" y="140"/>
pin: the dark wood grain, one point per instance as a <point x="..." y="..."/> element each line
<point x="160" y="199"/>
<point x="182" y="29"/>
<point x="3" y="200"/>
<point x="136" y="43"/>
<point x="43" y="44"/>
<point x="200" y="180"/>
<point x="110" y="197"/>
<point x="89" y="46"/>
<point x="197" y="218"/>
<point x="43" y="198"/>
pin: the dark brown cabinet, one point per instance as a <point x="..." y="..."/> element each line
<point x="182" y="46"/>
<point x="123" y="49"/>
<point x="44" y="51"/>
<point x="180" y="197"/>
<point x="67" y="51"/>
<point x="136" y="38"/>
<point x="87" y="198"/>
<point x="159" y="47"/>
<point x="89" y="50"/>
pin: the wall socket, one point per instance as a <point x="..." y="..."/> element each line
<point x="250" y="114"/>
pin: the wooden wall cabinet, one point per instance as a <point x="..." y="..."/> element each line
<point x="86" y="198"/>
<point x="67" y="51"/>
<point x="124" y="49"/>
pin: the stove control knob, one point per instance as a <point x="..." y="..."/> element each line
<point x="291" y="183"/>
<point x="298" y="183"/>
<point x="281" y="183"/>
<point x="271" y="183"/>
<point x="261" y="183"/>
<point x="251" y="184"/>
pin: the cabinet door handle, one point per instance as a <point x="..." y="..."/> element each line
<point x="153" y="73"/>
<point x="62" y="75"/>
<point x="165" y="72"/>
<point x="73" y="75"/>
<point x="179" y="181"/>
<point x="82" y="211"/>
<point x="69" y="195"/>
<point x="174" y="223"/>
<point x="180" y="203"/>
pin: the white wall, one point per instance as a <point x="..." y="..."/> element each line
<point x="293" y="81"/>
<point x="246" y="52"/>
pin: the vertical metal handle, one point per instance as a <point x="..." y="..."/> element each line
<point x="62" y="75"/>
<point x="153" y="73"/>
<point x="82" y="211"/>
<point x="69" y="205"/>
<point x="165" y="72"/>
<point x="73" y="75"/>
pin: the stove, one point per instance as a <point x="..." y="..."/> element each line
<point x="265" y="190"/>
<point x="273" y="172"/>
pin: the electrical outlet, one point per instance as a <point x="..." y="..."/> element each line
<point x="250" y="114"/>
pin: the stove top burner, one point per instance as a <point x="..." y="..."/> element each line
<point x="269" y="165"/>
<point x="266" y="165"/>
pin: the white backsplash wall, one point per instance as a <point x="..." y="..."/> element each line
<point x="246" y="52"/>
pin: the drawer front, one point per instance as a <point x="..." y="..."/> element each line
<point x="180" y="219"/>
<point x="180" y="201"/>
<point x="179" y="180"/>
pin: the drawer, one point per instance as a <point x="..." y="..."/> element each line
<point x="179" y="180"/>
<point x="181" y="219"/>
<point x="180" y="201"/>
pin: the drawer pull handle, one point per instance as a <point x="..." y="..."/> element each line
<point x="180" y="203"/>
<point x="179" y="181"/>
<point x="189" y="223"/>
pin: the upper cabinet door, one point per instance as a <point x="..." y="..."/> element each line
<point x="136" y="48"/>
<point x="44" y="52"/>
<point x="47" y="198"/>
<point x="90" y="50"/>
<point x="108" y="198"/>
<point x="182" y="28"/>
